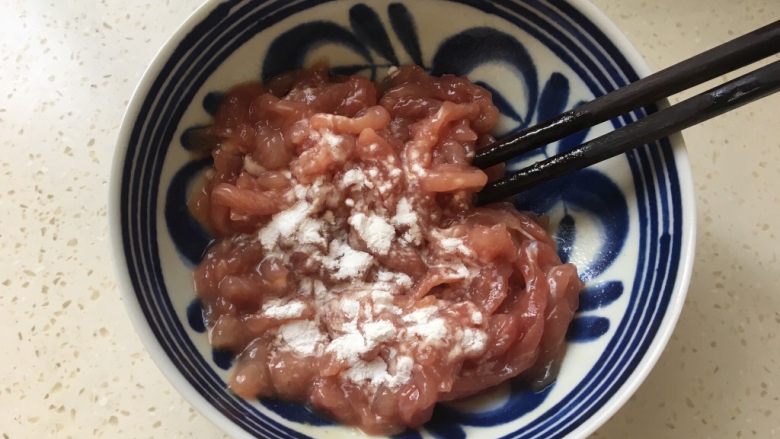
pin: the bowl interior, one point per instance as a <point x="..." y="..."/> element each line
<point x="626" y="222"/>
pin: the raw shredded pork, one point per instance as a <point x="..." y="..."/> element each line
<point x="350" y="269"/>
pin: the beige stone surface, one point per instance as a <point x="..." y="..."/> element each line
<point x="73" y="367"/>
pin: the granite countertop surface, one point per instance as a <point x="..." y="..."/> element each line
<point x="73" y="366"/>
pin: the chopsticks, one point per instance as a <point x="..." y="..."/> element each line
<point x="737" y="53"/>
<point x="699" y="108"/>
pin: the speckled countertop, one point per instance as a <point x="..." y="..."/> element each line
<point x="72" y="365"/>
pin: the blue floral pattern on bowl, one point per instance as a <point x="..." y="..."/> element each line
<point x="589" y="209"/>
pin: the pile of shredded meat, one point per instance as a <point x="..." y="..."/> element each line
<point x="350" y="269"/>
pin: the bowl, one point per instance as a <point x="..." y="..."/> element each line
<point x="627" y="223"/>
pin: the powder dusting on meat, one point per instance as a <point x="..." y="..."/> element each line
<point x="284" y="223"/>
<point x="277" y="310"/>
<point x="375" y="231"/>
<point x="344" y="262"/>
<point x="302" y="337"/>
<point x="405" y="216"/>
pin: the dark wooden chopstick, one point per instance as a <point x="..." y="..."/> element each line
<point x="736" y="53"/>
<point x="699" y="108"/>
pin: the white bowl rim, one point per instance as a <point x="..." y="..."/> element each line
<point x="169" y="370"/>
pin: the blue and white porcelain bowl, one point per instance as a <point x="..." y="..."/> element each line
<point x="627" y="223"/>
